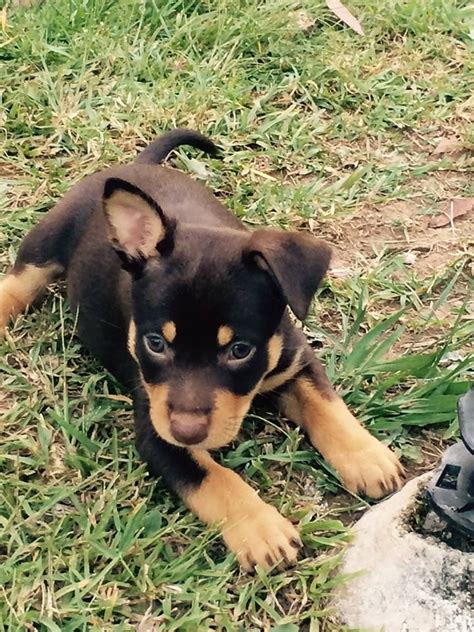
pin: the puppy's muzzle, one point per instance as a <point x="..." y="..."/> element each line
<point x="190" y="427"/>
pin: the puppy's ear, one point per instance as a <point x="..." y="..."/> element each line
<point x="136" y="224"/>
<point x="296" y="262"/>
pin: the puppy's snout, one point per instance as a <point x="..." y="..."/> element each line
<point x="190" y="428"/>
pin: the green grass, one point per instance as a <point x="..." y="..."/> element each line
<point x="315" y="127"/>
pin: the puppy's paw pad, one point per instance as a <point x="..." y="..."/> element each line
<point x="264" y="538"/>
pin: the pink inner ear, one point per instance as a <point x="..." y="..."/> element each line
<point x="134" y="223"/>
<point x="133" y="229"/>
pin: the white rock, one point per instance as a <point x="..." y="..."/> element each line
<point x="409" y="583"/>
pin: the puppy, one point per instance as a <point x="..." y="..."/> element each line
<point x="190" y="311"/>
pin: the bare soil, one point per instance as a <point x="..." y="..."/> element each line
<point x="398" y="227"/>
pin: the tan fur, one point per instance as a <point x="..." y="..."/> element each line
<point x="17" y="291"/>
<point x="169" y="331"/>
<point x="133" y="223"/>
<point x="364" y="463"/>
<point x="224" y="335"/>
<point x="227" y="416"/>
<point x="275" y="347"/>
<point x="273" y="382"/>
<point x="132" y="339"/>
<point x="158" y="396"/>
<point x="253" y="530"/>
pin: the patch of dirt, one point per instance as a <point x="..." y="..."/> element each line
<point x="403" y="227"/>
<point x="8" y="170"/>
<point x="398" y="227"/>
<point x="6" y="402"/>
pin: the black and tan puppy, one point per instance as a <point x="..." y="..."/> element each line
<point x="189" y="309"/>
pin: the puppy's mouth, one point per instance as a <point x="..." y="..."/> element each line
<point x="189" y="428"/>
<point x="203" y="428"/>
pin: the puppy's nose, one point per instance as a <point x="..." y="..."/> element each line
<point x="189" y="428"/>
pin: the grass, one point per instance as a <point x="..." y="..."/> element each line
<point x="317" y="128"/>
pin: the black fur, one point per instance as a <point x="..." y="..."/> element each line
<point x="157" y="151"/>
<point x="208" y="273"/>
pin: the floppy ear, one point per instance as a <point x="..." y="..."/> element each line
<point x="295" y="261"/>
<point x="136" y="224"/>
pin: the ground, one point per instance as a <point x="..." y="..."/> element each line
<point x="321" y="130"/>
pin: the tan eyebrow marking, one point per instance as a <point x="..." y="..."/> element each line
<point x="224" y="335"/>
<point x="169" y="330"/>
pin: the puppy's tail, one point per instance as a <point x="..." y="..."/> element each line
<point x="161" y="147"/>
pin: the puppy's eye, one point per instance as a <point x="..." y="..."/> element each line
<point x="241" y="350"/>
<point x="155" y="343"/>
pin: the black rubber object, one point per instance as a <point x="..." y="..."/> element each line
<point x="451" y="490"/>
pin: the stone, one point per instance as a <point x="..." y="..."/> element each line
<point x="406" y="582"/>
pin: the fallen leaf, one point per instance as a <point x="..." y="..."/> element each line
<point x="304" y="21"/>
<point x="345" y="15"/>
<point x="410" y="258"/>
<point x="119" y="398"/>
<point x="452" y="356"/>
<point x="198" y="168"/>
<point x="457" y="207"/>
<point x="340" y="273"/>
<point x="448" y="146"/>
<point x="179" y="64"/>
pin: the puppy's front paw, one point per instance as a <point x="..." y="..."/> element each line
<point x="262" y="536"/>
<point x="372" y="469"/>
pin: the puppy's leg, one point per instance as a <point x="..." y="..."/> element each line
<point x="364" y="464"/>
<point x="254" y="531"/>
<point x="22" y="286"/>
<point x="42" y="257"/>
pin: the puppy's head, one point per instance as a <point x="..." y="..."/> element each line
<point x="206" y="308"/>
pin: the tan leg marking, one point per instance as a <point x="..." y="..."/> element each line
<point x="253" y="530"/>
<point x="364" y="463"/>
<point x="224" y="335"/>
<point x="19" y="290"/>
